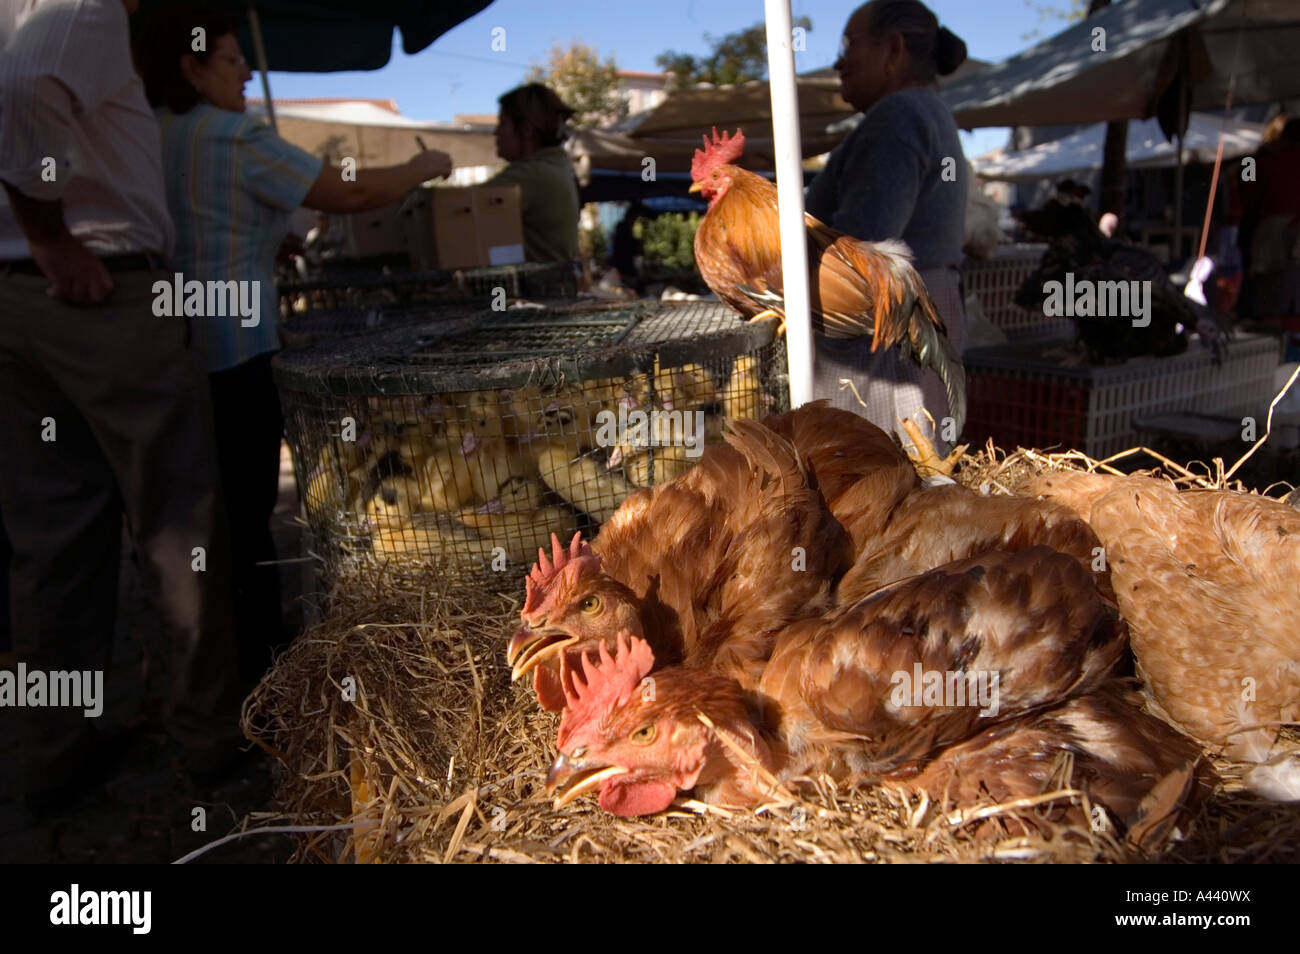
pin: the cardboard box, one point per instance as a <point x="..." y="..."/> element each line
<point x="449" y="228"/>
<point x="380" y="231"/>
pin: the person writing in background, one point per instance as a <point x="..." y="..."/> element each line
<point x="232" y="185"/>
<point x="899" y="175"/>
<point x="531" y="130"/>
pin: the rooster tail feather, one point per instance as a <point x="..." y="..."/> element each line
<point x="930" y="347"/>
<point x="768" y="452"/>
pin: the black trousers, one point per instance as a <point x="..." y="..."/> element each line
<point x="104" y="411"/>
<point x="249" y="424"/>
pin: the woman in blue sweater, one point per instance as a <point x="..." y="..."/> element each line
<point x="899" y="175"/>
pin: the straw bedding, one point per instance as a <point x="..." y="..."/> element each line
<point x="396" y="715"/>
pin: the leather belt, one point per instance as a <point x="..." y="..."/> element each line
<point x="130" y="262"/>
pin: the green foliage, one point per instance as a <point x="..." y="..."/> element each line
<point x="593" y="243"/>
<point x="583" y="82"/>
<point x="1072" y="12"/>
<point x="734" y="58"/>
<point x="668" y="241"/>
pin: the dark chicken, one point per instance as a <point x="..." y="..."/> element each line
<point x="1078" y="248"/>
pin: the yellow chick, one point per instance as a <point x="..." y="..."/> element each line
<point x="584" y="482"/>
<point x="743" y="397"/>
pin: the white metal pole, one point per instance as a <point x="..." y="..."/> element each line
<point x="259" y="54"/>
<point x="789" y="186"/>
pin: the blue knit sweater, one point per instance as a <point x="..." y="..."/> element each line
<point x="888" y="179"/>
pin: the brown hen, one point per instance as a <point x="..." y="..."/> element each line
<point x="970" y="683"/>
<point x="744" y="536"/>
<point x="1209" y="582"/>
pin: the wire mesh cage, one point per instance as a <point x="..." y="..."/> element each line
<point x="466" y="447"/>
<point x="313" y="327"/>
<point x="375" y="288"/>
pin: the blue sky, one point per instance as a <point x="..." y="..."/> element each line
<point x="460" y="73"/>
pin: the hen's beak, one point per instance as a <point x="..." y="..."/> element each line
<point x="528" y="647"/>
<point x="695" y="187"/>
<point x="569" y="779"/>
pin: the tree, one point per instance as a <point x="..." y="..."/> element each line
<point x="588" y="86"/>
<point x="734" y="58"/>
<point x="1073" y="13"/>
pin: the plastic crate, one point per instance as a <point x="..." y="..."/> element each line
<point x="1019" y="399"/>
<point x="995" y="282"/>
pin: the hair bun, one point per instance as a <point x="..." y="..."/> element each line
<point x="949" y="51"/>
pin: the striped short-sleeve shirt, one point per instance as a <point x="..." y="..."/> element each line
<point x="232" y="185"/>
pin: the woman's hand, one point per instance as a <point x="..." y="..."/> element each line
<point x="430" y="164"/>
<point x="372" y="188"/>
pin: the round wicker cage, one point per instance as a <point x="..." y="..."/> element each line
<point x="466" y="444"/>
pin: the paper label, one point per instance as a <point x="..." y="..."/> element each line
<point x="505" y="255"/>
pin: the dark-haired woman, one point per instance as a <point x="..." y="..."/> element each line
<point x="232" y="185"/>
<point x="531" y="129"/>
<point x="899" y="175"/>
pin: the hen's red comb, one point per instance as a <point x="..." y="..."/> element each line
<point x="607" y="683"/>
<point x="545" y="571"/>
<point x="723" y="149"/>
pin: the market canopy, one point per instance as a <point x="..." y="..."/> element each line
<point x="1149" y="45"/>
<point x="1147" y="148"/>
<point x="671" y="131"/>
<point x="323" y="36"/>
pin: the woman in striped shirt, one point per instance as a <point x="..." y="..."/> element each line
<point x="232" y="185"/>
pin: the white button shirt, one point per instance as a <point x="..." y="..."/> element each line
<point x="75" y="125"/>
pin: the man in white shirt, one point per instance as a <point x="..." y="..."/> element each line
<point x="104" y="407"/>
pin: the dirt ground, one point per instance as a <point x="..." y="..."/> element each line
<point x="144" y="812"/>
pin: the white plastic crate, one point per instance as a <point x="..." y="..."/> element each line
<point x="996" y="280"/>
<point x="1020" y="400"/>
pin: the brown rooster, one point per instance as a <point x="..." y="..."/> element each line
<point x="856" y="288"/>
<point x="1209" y="582"/>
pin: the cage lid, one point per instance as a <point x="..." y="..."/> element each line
<point x="542" y="347"/>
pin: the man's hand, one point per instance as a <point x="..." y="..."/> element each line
<point x="431" y="164"/>
<point x="76" y="275"/>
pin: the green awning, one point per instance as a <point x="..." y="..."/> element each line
<point x="324" y="36"/>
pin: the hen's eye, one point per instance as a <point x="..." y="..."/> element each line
<point x="645" y="735"/>
<point x="591" y="605"/>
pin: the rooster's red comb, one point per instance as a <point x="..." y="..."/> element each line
<point x="606" y="684"/>
<point x="723" y="149"/>
<point x="546" y="570"/>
